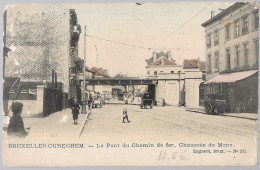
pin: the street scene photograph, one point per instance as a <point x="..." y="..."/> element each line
<point x="130" y="84"/>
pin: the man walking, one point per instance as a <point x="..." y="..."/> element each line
<point x="125" y="116"/>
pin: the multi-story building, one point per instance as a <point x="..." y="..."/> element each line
<point x="232" y="51"/>
<point x="42" y="41"/>
<point x="232" y="39"/>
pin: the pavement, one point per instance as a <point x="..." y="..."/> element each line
<point x="250" y="116"/>
<point x="56" y="125"/>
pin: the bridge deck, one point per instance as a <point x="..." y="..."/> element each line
<point x="120" y="81"/>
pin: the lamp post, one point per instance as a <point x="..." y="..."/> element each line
<point x="84" y="102"/>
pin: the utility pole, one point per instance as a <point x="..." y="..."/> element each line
<point x="84" y="102"/>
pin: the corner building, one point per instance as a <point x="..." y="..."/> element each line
<point x="232" y="45"/>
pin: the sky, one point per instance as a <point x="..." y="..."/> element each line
<point x="164" y="26"/>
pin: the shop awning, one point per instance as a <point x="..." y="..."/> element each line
<point x="231" y="77"/>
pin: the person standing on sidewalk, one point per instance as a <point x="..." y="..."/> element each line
<point x="125" y="116"/>
<point x="16" y="126"/>
<point x="75" y="111"/>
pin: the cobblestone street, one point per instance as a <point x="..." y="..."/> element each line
<point x="166" y="124"/>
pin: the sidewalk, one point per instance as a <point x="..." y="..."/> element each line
<point x="55" y="126"/>
<point x="251" y="116"/>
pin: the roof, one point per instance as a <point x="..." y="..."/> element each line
<point x="224" y="13"/>
<point x="159" y="55"/>
<point x="162" y="62"/>
<point x="231" y="77"/>
<point x="194" y="63"/>
<point x="191" y="63"/>
<point x="99" y="72"/>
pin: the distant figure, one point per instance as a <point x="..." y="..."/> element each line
<point x="75" y="111"/>
<point x="71" y="101"/>
<point x="125" y="116"/>
<point x="163" y="102"/>
<point x="16" y="126"/>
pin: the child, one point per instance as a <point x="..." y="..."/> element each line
<point x="16" y="126"/>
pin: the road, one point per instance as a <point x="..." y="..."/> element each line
<point x="166" y="124"/>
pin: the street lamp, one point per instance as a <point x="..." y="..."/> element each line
<point x="84" y="102"/>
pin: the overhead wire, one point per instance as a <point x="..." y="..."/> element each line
<point x="149" y="48"/>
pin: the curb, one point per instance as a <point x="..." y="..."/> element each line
<point x="84" y="123"/>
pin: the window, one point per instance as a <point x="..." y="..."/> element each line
<point x="155" y="73"/>
<point x="148" y="72"/>
<point x="237" y="28"/>
<point x="257" y="51"/>
<point x="172" y="72"/>
<point x="246" y="53"/>
<point x="216" y="61"/>
<point x="256" y="17"/>
<point x="237" y="48"/>
<point x="209" y="64"/>
<point x="245" y="25"/>
<point x="227" y="32"/>
<point x="208" y="41"/>
<point x="228" y="59"/>
<point x="216" y="37"/>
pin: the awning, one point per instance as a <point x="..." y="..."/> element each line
<point x="231" y="77"/>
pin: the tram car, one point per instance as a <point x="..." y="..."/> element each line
<point x="147" y="100"/>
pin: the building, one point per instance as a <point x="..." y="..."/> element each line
<point x="232" y="49"/>
<point x="42" y="41"/>
<point x="232" y="39"/>
<point x="100" y="72"/>
<point x="176" y="85"/>
<point x="105" y="91"/>
<point x="195" y="64"/>
<point x="157" y="55"/>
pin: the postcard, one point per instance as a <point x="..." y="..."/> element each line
<point x="130" y="84"/>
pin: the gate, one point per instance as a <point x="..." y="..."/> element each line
<point x="52" y="101"/>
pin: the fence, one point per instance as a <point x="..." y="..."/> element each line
<point x="52" y="101"/>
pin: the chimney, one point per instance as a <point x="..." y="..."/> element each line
<point x="169" y="55"/>
<point x="154" y="56"/>
<point x="212" y="14"/>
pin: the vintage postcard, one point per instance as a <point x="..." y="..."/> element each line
<point x="130" y="84"/>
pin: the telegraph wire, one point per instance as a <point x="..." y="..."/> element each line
<point x="147" y="48"/>
<point x="187" y="21"/>
<point x="205" y="36"/>
<point x="131" y="45"/>
<point x="116" y="42"/>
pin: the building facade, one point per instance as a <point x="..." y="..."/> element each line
<point x="42" y="41"/>
<point x="232" y="40"/>
<point x="232" y="57"/>
<point x="176" y="85"/>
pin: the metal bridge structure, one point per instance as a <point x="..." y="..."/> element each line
<point x="118" y="81"/>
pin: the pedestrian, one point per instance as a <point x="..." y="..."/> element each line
<point x="125" y="116"/>
<point x="16" y="126"/>
<point x="75" y="111"/>
<point x="71" y="101"/>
